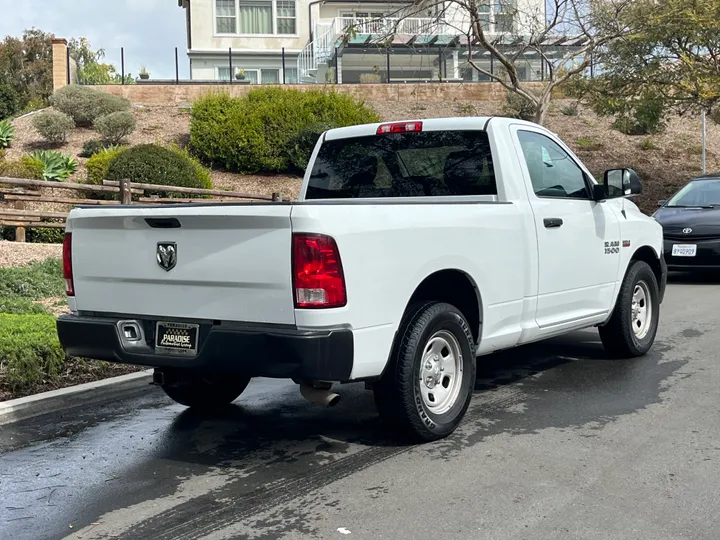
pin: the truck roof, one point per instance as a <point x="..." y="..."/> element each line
<point x="428" y="124"/>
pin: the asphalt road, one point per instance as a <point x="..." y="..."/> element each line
<point x="559" y="442"/>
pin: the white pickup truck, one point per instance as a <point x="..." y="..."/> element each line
<point x="413" y="248"/>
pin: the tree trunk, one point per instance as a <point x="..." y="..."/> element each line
<point x="543" y="106"/>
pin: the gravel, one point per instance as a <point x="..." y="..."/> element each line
<point x="20" y="254"/>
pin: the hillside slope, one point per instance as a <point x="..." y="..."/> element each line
<point x="665" y="161"/>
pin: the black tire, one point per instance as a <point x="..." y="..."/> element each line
<point x="618" y="336"/>
<point x="204" y="392"/>
<point x="398" y="394"/>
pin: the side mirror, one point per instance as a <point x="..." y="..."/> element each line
<point x="621" y="183"/>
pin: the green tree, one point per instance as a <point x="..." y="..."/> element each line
<point x="26" y="66"/>
<point x="91" y="69"/>
<point x="667" y="61"/>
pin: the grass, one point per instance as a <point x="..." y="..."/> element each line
<point x="647" y="144"/>
<point x="31" y="358"/>
<point x="32" y="282"/>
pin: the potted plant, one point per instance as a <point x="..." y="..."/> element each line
<point x="144" y="74"/>
<point x="240" y="75"/>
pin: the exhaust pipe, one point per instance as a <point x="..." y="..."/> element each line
<point x="321" y="396"/>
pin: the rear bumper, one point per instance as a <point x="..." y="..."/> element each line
<point x="223" y="348"/>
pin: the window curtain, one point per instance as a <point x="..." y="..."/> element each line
<point x="270" y="76"/>
<point x="256" y="17"/>
<point x="225" y="12"/>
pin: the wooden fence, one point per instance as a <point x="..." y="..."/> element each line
<point x="22" y="191"/>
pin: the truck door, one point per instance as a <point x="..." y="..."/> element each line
<point x="578" y="238"/>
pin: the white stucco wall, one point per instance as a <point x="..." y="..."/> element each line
<point x="204" y="37"/>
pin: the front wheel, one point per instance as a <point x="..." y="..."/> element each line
<point x="204" y="392"/>
<point x="428" y="384"/>
<point x="631" y="330"/>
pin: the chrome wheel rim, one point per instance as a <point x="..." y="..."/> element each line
<point x="441" y="372"/>
<point x="641" y="310"/>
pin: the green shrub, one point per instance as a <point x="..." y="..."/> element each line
<point x="516" y="106"/>
<point x="647" y="144"/>
<point x="569" y="110"/>
<point x="9" y="101"/>
<point x="25" y="167"/>
<point x="97" y="166"/>
<point x="20" y="306"/>
<point x="35" y="235"/>
<point x="7" y="133"/>
<point x="53" y="126"/>
<point x="34" y="281"/>
<point x="644" y="117"/>
<point x="251" y="134"/>
<point x="35" y="104"/>
<point x="56" y="166"/>
<point x="30" y="352"/>
<point x="85" y="104"/>
<point x="114" y="127"/>
<point x="158" y="165"/>
<point x="301" y="146"/>
<point x="715" y="115"/>
<point x="202" y="173"/>
<point x="588" y="144"/>
<point x="91" y="147"/>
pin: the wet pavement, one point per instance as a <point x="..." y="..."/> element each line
<point x="559" y="442"/>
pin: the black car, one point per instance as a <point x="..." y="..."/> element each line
<point x="691" y="225"/>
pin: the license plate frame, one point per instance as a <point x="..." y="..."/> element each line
<point x="684" y="250"/>
<point x="176" y="344"/>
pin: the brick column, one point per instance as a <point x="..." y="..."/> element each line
<point x="60" y="64"/>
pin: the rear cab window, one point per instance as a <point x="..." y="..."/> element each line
<point x="414" y="164"/>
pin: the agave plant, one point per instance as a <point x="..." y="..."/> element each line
<point x="56" y="166"/>
<point x="7" y="133"/>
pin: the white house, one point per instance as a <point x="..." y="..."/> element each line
<point x="291" y="41"/>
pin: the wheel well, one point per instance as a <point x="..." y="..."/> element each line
<point x="647" y="254"/>
<point x="454" y="287"/>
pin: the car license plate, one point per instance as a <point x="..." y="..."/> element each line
<point x="176" y="338"/>
<point x="684" y="250"/>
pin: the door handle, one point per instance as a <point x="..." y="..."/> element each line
<point x="552" y="222"/>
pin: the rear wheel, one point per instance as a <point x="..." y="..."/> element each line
<point x="631" y="330"/>
<point x="428" y="384"/>
<point x="203" y="392"/>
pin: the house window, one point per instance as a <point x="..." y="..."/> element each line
<point x="291" y="75"/>
<point x="270" y="76"/>
<point x="258" y="17"/>
<point x="223" y="74"/>
<point x="225" y="16"/>
<point x="286" y="16"/>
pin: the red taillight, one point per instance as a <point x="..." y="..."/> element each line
<point x="318" y="277"/>
<point x="399" y="127"/>
<point x="67" y="265"/>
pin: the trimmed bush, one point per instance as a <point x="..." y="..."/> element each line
<point x="85" y="104"/>
<point x="30" y="352"/>
<point x="645" y="117"/>
<point x="301" y="146"/>
<point x="7" y="133"/>
<point x="251" y="134"/>
<point x="97" y="166"/>
<point x="516" y="106"/>
<point x="114" y="127"/>
<point x="25" y="167"/>
<point x="53" y="126"/>
<point x="154" y="164"/>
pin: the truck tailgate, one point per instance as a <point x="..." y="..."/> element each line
<point x="232" y="262"/>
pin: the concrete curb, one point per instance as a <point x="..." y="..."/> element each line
<point x="64" y="398"/>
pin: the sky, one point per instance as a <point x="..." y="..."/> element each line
<point x="149" y="30"/>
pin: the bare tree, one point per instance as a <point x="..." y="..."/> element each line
<point x="557" y="37"/>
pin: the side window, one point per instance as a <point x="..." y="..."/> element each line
<point x="552" y="172"/>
